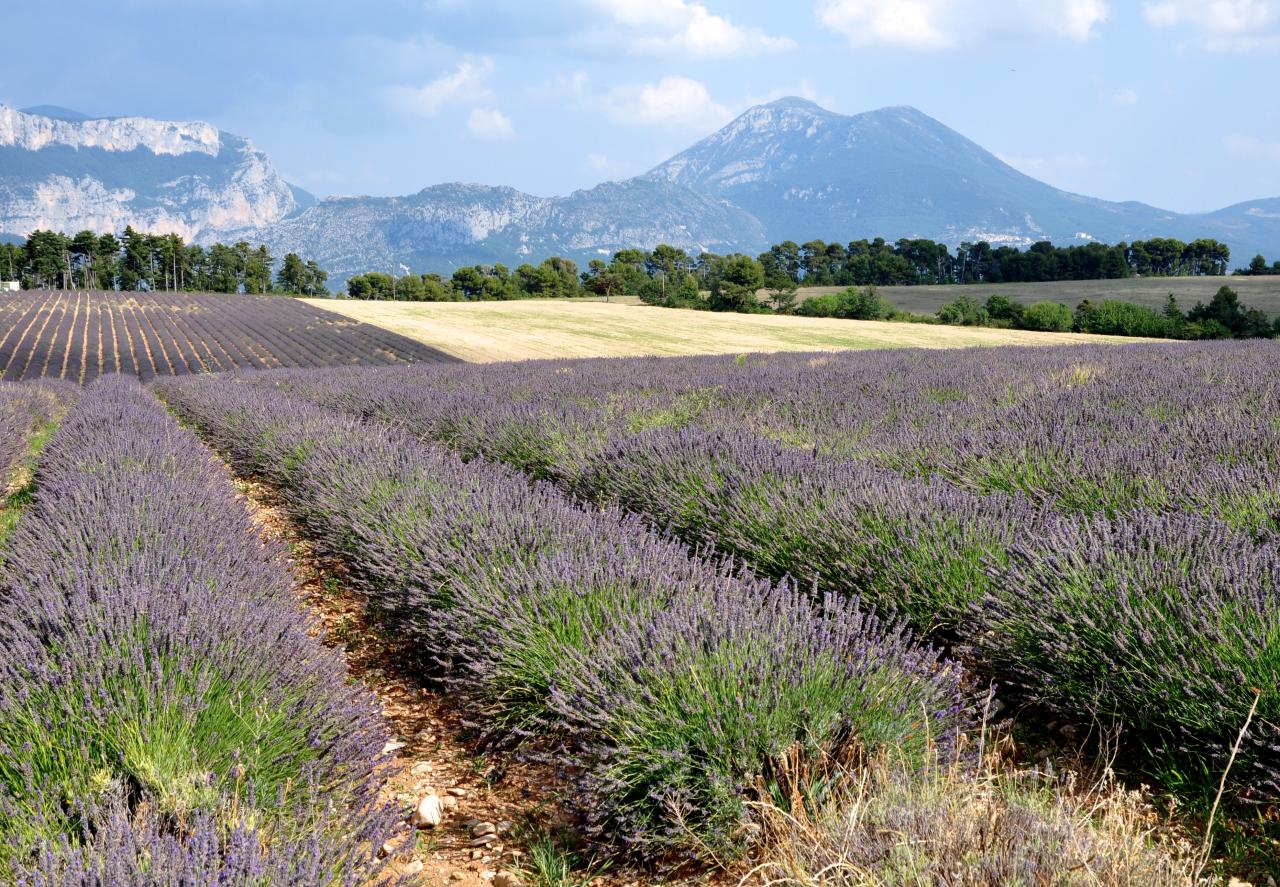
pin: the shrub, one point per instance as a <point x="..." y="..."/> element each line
<point x="1002" y="308"/>
<point x="851" y="304"/>
<point x="963" y="311"/>
<point x="1116" y="318"/>
<point x="707" y="702"/>
<point x="1166" y="623"/>
<point x="1046" y="317"/>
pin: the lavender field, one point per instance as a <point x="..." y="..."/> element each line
<point x="1093" y="528"/>
<point x="80" y="335"/>
<point x="707" y="594"/>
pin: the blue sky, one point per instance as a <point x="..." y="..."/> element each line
<point x="1171" y="102"/>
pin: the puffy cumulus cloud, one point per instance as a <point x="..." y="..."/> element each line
<point x="680" y="27"/>
<point x="490" y="123"/>
<point x="945" y="24"/>
<point x="465" y="84"/>
<point x="1225" y="25"/>
<point x="1126" y="98"/>
<point x="671" y="102"/>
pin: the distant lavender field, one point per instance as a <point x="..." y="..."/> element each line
<point x="78" y="336"/>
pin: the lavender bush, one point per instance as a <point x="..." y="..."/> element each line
<point x="26" y="411"/>
<point x="655" y="673"/>
<point x="922" y="547"/>
<point x="139" y="848"/>
<point x="1165" y="622"/>
<point x="154" y="658"/>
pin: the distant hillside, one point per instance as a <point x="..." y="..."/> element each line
<point x="60" y="169"/>
<point x="808" y="173"/>
<point x="445" y="226"/>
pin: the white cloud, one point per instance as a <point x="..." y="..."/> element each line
<point x="1126" y="98"/>
<point x="680" y="27"/>
<point x="598" y="162"/>
<point x="944" y="24"/>
<point x="672" y="101"/>
<point x="490" y="123"/>
<point x="1225" y="25"/>
<point x="1240" y="145"/>
<point x="464" y="84"/>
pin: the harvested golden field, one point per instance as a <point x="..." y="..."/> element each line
<point x="489" y="331"/>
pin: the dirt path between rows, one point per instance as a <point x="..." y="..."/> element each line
<point x="431" y="752"/>
<point x="433" y="759"/>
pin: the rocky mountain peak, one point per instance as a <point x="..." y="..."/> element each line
<point x="63" y="170"/>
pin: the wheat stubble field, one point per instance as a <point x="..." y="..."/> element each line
<point x="482" y="332"/>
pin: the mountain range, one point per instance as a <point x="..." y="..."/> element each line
<point x="785" y="170"/>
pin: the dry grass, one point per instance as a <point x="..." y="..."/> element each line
<point x="491" y="331"/>
<point x="965" y="826"/>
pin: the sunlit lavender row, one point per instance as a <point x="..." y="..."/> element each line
<point x="662" y="685"/>
<point x="26" y="410"/>
<point x="166" y="716"/>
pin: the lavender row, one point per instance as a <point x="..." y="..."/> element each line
<point x="25" y="410"/>
<point x="1189" y="602"/>
<point x="663" y="685"/>
<point x="165" y="714"/>
<point x="1168" y="624"/>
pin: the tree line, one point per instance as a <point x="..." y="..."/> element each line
<point x="1258" y="267"/>
<point x="671" y="276"/>
<point x="138" y="261"/>
<point x="910" y="262"/>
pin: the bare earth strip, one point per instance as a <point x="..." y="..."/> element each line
<point x="432" y="759"/>
<point x="536" y="328"/>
